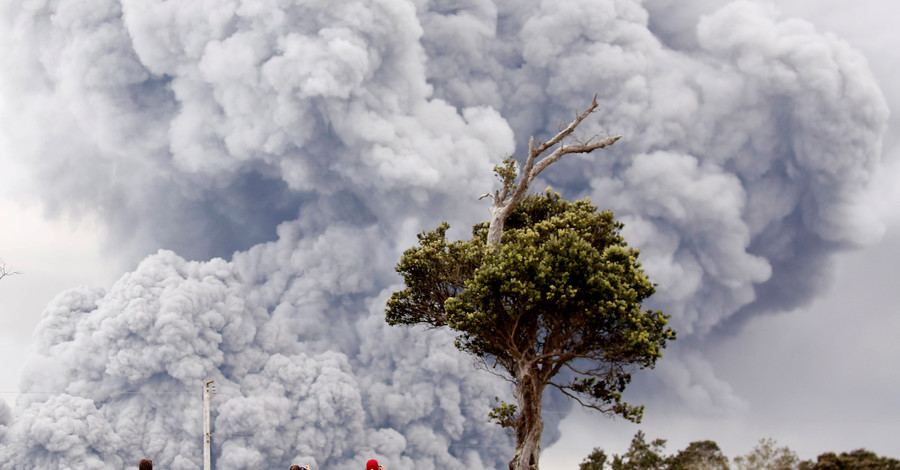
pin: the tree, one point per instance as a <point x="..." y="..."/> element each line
<point x="642" y="456"/>
<point x="765" y="456"/>
<point x="699" y="455"/>
<point x="855" y="460"/>
<point x="557" y="303"/>
<point x="596" y="460"/>
<point x="706" y="455"/>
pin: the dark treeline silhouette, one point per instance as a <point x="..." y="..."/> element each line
<point x="706" y="455"/>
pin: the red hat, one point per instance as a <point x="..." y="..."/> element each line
<point x="372" y="465"/>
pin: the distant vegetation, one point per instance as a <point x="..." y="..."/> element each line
<point x="706" y="455"/>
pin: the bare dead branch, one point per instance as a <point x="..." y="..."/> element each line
<point x="5" y="271"/>
<point x="504" y="203"/>
<point x="541" y="148"/>
<point x="567" y="149"/>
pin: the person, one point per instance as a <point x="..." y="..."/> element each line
<point x="372" y="465"/>
<point x="297" y="467"/>
<point x="145" y="465"/>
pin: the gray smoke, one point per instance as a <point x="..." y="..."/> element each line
<point x="305" y="368"/>
<point x="305" y="143"/>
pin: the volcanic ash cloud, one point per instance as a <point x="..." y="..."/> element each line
<point x="305" y="143"/>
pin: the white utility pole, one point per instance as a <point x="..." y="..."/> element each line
<point x="208" y="387"/>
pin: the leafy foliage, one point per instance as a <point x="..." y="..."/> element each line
<point x="766" y="456"/>
<point x="596" y="460"/>
<point x="857" y="459"/>
<point x="699" y="455"/>
<point x="706" y="455"/>
<point x="504" y="414"/>
<point x="641" y="455"/>
<point x="563" y="291"/>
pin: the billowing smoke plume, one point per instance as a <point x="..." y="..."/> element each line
<point x="308" y="141"/>
<point x="306" y="369"/>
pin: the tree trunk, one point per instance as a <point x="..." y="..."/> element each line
<point x="529" y="386"/>
<point x="495" y="229"/>
<point x="529" y="425"/>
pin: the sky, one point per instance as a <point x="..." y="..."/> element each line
<point x="222" y="191"/>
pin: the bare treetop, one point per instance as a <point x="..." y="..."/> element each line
<point x="509" y="196"/>
<point x="5" y="271"/>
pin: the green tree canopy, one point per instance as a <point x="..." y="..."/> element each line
<point x="766" y="456"/>
<point x="642" y="455"/>
<point x="860" y="459"/>
<point x="699" y="455"/>
<point x="596" y="460"/>
<point x="562" y="293"/>
<point x="706" y="455"/>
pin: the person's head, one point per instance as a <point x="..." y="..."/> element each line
<point x="372" y="465"/>
<point x="146" y="464"/>
<point x="295" y="467"/>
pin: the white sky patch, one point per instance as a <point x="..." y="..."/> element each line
<point x="51" y="256"/>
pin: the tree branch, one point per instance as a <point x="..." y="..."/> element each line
<point x="480" y="362"/>
<point x="565" y="391"/>
<point x="4" y="270"/>
<point x="608" y="369"/>
<point x="503" y="206"/>
<point x="567" y="149"/>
